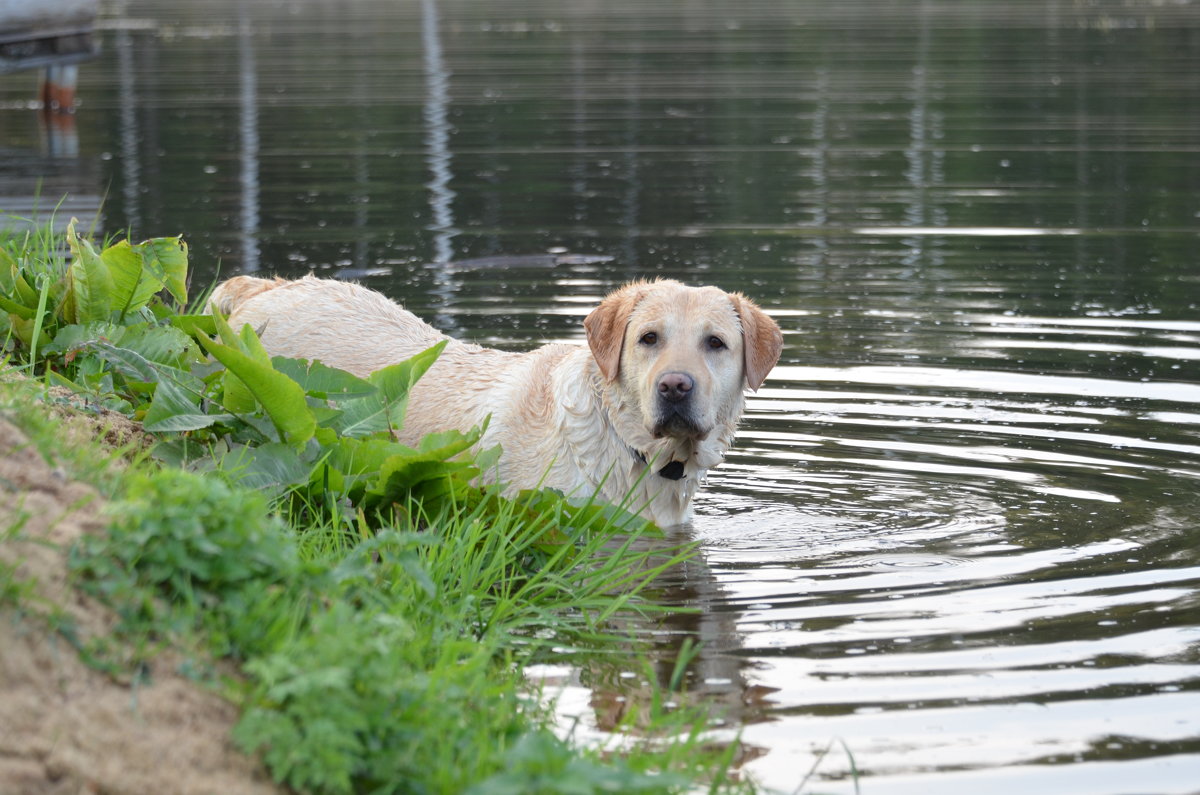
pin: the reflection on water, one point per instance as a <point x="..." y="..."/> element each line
<point x="959" y="532"/>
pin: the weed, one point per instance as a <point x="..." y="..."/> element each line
<point x="14" y="590"/>
<point x="854" y="774"/>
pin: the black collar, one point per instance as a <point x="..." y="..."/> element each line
<point x="672" y="471"/>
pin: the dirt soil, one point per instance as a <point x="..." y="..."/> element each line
<point x="69" y="728"/>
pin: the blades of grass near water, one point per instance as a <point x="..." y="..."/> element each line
<point x="38" y="317"/>
<point x="821" y="755"/>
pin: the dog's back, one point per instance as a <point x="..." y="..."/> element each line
<point x="236" y="291"/>
<point x="342" y="324"/>
<point x="347" y="326"/>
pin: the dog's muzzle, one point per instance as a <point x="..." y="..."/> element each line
<point x="677" y="424"/>
<point x="674" y="410"/>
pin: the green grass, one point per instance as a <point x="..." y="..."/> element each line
<point x="15" y="590"/>
<point x="379" y="605"/>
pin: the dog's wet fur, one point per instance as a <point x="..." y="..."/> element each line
<point x="644" y="410"/>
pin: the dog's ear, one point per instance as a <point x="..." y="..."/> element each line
<point x="762" y="341"/>
<point x="605" y="326"/>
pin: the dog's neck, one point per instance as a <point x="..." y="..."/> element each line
<point x="673" y="470"/>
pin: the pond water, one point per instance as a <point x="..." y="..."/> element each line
<point x="960" y="534"/>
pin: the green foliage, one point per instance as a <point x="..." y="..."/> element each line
<point x="349" y="706"/>
<point x="212" y="551"/>
<point x="540" y="764"/>
<point x="249" y="372"/>
<point x="321" y="436"/>
<point x="14" y="590"/>
<point x="197" y="539"/>
<point x="383" y="632"/>
<point x="387" y="667"/>
<point x="90" y="320"/>
<point x="122" y="278"/>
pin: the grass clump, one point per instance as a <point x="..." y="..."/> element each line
<point x="379" y="602"/>
<point x="383" y="667"/>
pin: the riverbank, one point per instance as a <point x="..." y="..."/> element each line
<point x="258" y="551"/>
<point x="68" y="726"/>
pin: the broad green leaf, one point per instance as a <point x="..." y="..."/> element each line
<point x="396" y="381"/>
<point x="363" y="456"/>
<point x="400" y="476"/>
<point x="194" y="324"/>
<point x="25" y="330"/>
<point x="247" y="342"/>
<point x="77" y="335"/>
<point x="384" y="410"/>
<point x="128" y="363"/>
<point x="20" y="310"/>
<point x="487" y="459"/>
<point x="8" y="269"/>
<point x="322" y="413"/>
<point x="24" y="292"/>
<point x="280" y="396"/>
<point x="252" y="346"/>
<point x="263" y="426"/>
<point x="325" y="479"/>
<point x="350" y="464"/>
<point x="362" y="416"/>
<point x="271" y="466"/>
<point x="224" y="330"/>
<point x="237" y="396"/>
<point x="325" y="436"/>
<point x="447" y="444"/>
<point x="168" y="258"/>
<point x="133" y="283"/>
<point x="320" y="380"/>
<point x="90" y="284"/>
<point x="176" y="408"/>
<point x="422" y="473"/>
<point x="160" y="344"/>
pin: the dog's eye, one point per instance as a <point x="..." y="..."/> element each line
<point x="715" y="343"/>
<point x="649" y="338"/>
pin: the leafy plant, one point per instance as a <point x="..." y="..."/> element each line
<point x="97" y="322"/>
<point x="387" y="668"/>
<point x="382" y="637"/>
<point x="93" y="320"/>
<point x="538" y="764"/>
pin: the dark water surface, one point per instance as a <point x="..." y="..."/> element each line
<point x="961" y="529"/>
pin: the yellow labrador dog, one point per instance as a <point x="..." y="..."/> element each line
<point x="646" y="409"/>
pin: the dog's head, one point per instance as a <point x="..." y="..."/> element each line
<point x="682" y="355"/>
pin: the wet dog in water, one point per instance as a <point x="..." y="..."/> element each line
<point x="659" y="386"/>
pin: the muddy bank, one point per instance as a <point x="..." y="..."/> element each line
<point x="66" y="727"/>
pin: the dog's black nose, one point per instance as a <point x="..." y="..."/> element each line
<point x="675" y="387"/>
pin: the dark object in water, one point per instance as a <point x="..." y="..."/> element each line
<point x="506" y="261"/>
